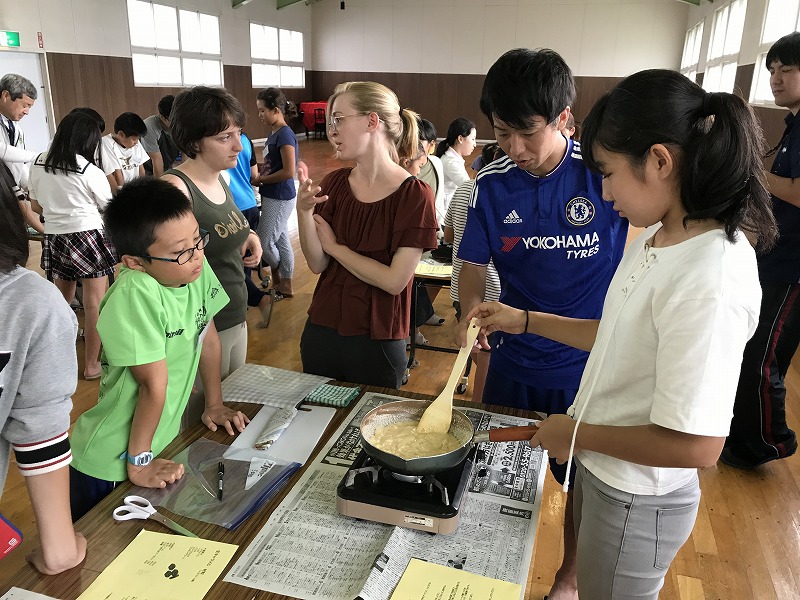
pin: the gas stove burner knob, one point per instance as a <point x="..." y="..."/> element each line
<point x="482" y="472"/>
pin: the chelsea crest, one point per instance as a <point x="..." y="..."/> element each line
<point x="580" y="211"/>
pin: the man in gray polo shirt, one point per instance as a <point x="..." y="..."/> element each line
<point x="157" y="141"/>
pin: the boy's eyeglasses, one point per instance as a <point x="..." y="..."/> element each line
<point x="187" y="254"/>
<point x="333" y="124"/>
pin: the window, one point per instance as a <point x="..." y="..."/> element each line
<point x="263" y="42"/>
<point x="723" y="47"/>
<point x="720" y="77"/>
<point x="691" y="49"/>
<point x="173" y="47"/>
<point x="291" y="46"/>
<point x="760" y="91"/>
<point x="199" y="32"/>
<point x="277" y="56"/>
<point x="781" y="17"/>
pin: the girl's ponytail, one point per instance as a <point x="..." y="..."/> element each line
<point x="290" y="109"/>
<point x="408" y="144"/>
<point x="723" y="173"/>
<point x="716" y="139"/>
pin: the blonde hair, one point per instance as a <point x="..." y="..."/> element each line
<point x="400" y="125"/>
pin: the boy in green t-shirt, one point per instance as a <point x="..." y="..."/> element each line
<point x="156" y="327"/>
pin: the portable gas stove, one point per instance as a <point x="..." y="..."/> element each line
<point x="426" y="502"/>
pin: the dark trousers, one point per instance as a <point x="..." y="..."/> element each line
<point x="352" y="358"/>
<point x="424" y="306"/>
<point x="759" y="413"/>
<point x="254" y="295"/>
<point x="86" y="492"/>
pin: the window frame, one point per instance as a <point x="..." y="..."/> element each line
<point x="769" y="42"/>
<point x="759" y="71"/>
<point x="694" y="33"/>
<point x="181" y="55"/>
<point x="760" y="68"/>
<point x="721" y="55"/>
<point x="278" y="63"/>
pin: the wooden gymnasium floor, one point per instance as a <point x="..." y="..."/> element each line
<point x="746" y="542"/>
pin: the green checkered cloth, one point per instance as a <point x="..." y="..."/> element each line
<point x="333" y="395"/>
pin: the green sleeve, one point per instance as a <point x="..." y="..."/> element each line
<point x="132" y="323"/>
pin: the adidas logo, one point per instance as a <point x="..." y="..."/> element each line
<point x="512" y="217"/>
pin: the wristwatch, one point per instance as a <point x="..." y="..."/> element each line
<point x="139" y="460"/>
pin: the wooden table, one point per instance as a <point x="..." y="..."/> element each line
<point x="107" y="538"/>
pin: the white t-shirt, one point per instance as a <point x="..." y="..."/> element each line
<point x="12" y="151"/>
<point x="71" y="202"/>
<point x="669" y="348"/>
<point x="455" y="173"/>
<point x="126" y="160"/>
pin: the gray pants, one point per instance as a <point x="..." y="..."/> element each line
<point x="273" y="230"/>
<point x="626" y="542"/>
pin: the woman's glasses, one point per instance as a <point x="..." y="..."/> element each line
<point x="187" y="254"/>
<point x="333" y="124"/>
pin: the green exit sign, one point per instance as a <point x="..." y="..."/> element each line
<point x="9" y="39"/>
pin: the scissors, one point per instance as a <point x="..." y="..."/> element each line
<point x="136" y="507"/>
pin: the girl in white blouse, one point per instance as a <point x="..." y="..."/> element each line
<point x="656" y="398"/>
<point x="70" y="191"/>
<point x="460" y="142"/>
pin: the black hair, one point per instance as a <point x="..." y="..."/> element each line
<point x="101" y="122"/>
<point x="201" y="112"/>
<point x="715" y="138"/>
<point x="130" y="124"/>
<point x="786" y="50"/>
<point x="14" y="247"/>
<point x="491" y="152"/>
<point x="165" y="106"/>
<point x="523" y="84"/>
<point x="77" y="134"/>
<point x="427" y="130"/>
<point x="460" y="127"/>
<point x="274" y="98"/>
<point x="139" y="208"/>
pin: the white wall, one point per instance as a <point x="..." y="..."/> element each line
<point x="101" y="26"/>
<point x="595" y="37"/>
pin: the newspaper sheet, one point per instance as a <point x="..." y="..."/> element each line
<point x="307" y="550"/>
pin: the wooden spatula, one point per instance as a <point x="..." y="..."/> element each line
<point x="437" y="417"/>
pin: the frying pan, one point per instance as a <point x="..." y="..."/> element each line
<point x="460" y="427"/>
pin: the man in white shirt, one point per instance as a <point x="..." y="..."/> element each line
<point x="17" y="96"/>
<point x="122" y="152"/>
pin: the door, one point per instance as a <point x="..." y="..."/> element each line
<point x="34" y="124"/>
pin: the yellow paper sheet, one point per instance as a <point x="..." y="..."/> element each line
<point x="160" y="566"/>
<point x="424" y="269"/>
<point x="428" y="581"/>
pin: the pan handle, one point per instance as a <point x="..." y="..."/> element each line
<point x="506" y="434"/>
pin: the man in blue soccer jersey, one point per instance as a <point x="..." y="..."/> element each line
<point x="539" y="215"/>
